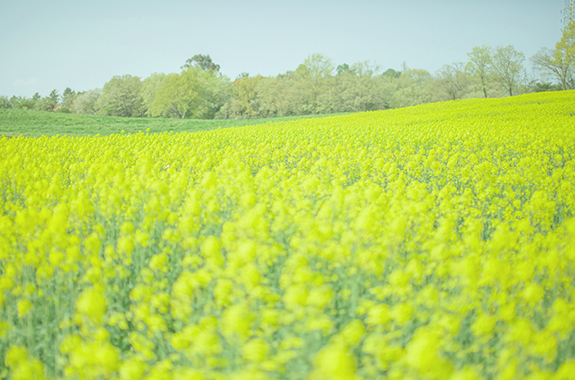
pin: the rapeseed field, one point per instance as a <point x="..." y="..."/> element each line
<point x="431" y="242"/>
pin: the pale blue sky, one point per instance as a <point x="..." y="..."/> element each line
<point x="54" y="44"/>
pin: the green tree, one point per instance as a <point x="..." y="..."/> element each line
<point x="244" y="97"/>
<point x="67" y="100"/>
<point x="480" y="66"/>
<point x="565" y="51"/>
<point x="342" y="68"/>
<point x="353" y="92"/>
<point x="54" y="97"/>
<point x="569" y="12"/>
<point x="121" y="97"/>
<point x="507" y="68"/>
<point x="551" y="64"/>
<point x="391" y="73"/>
<point x="150" y="87"/>
<point x="204" y="62"/>
<point x="357" y="89"/>
<point x="5" y="102"/>
<point x="48" y="103"/>
<point x="366" y="69"/>
<point x="274" y="96"/>
<point x="178" y="96"/>
<point x="86" y="102"/>
<point x="537" y="86"/>
<point x="215" y="90"/>
<point x="453" y="81"/>
<point x="37" y="103"/>
<point x="308" y="82"/>
<point x="21" y="102"/>
<point x="412" y="87"/>
<point x="319" y="67"/>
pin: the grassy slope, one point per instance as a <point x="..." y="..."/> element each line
<point x="37" y="123"/>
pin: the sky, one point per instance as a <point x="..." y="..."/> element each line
<point x="54" y="44"/>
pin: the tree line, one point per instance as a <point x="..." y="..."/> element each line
<point x="316" y="86"/>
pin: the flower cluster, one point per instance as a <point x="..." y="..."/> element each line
<point x="433" y="242"/>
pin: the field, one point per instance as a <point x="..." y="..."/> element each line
<point x="36" y="123"/>
<point x="431" y="242"/>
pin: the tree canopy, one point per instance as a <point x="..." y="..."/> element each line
<point x="121" y="97"/>
<point x="316" y="86"/>
<point x="178" y="95"/>
<point x="204" y="62"/>
<point x="507" y="66"/>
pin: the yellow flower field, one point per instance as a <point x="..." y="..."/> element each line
<point x="432" y="242"/>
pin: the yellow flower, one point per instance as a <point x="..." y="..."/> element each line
<point x="16" y="356"/>
<point x="236" y="321"/>
<point x="544" y="344"/>
<point x="402" y="313"/>
<point x="249" y="374"/>
<point x="465" y="374"/>
<point x="92" y="303"/>
<point x="255" y="350"/>
<point x="294" y="296"/>
<point x="31" y="369"/>
<point x="334" y="362"/>
<point x="320" y="322"/>
<point x="126" y="244"/>
<point x="250" y="276"/>
<point x="320" y="296"/>
<point x="23" y="307"/>
<point x="185" y="373"/>
<point x="159" y="262"/>
<point x="484" y="324"/>
<point x="565" y="371"/>
<point x="132" y="369"/>
<point x="207" y="342"/>
<point x="107" y="357"/>
<point x="378" y="315"/>
<point x="156" y="323"/>
<point x="532" y="293"/>
<point x="422" y="353"/>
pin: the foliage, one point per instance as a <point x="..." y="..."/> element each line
<point x="316" y="86"/>
<point x="544" y="86"/>
<point x="244" y="95"/>
<point x="342" y="68"/>
<point x="357" y="89"/>
<point x="19" y="102"/>
<point x="4" y="102"/>
<point x="434" y="242"/>
<point x="68" y="97"/>
<point x="454" y="81"/>
<point x="193" y="93"/>
<point x="177" y="95"/>
<point x="150" y="87"/>
<point x="215" y="92"/>
<point x="565" y="53"/>
<point x="413" y="87"/>
<point x="391" y="73"/>
<point x="121" y="96"/>
<point x="569" y="12"/>
<point x="203" y="62"/>
<point x="480" y="67"/>
<point x="560" y="62"/>
<point x="86" y="103"/>
<point x="507" y="64"/>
